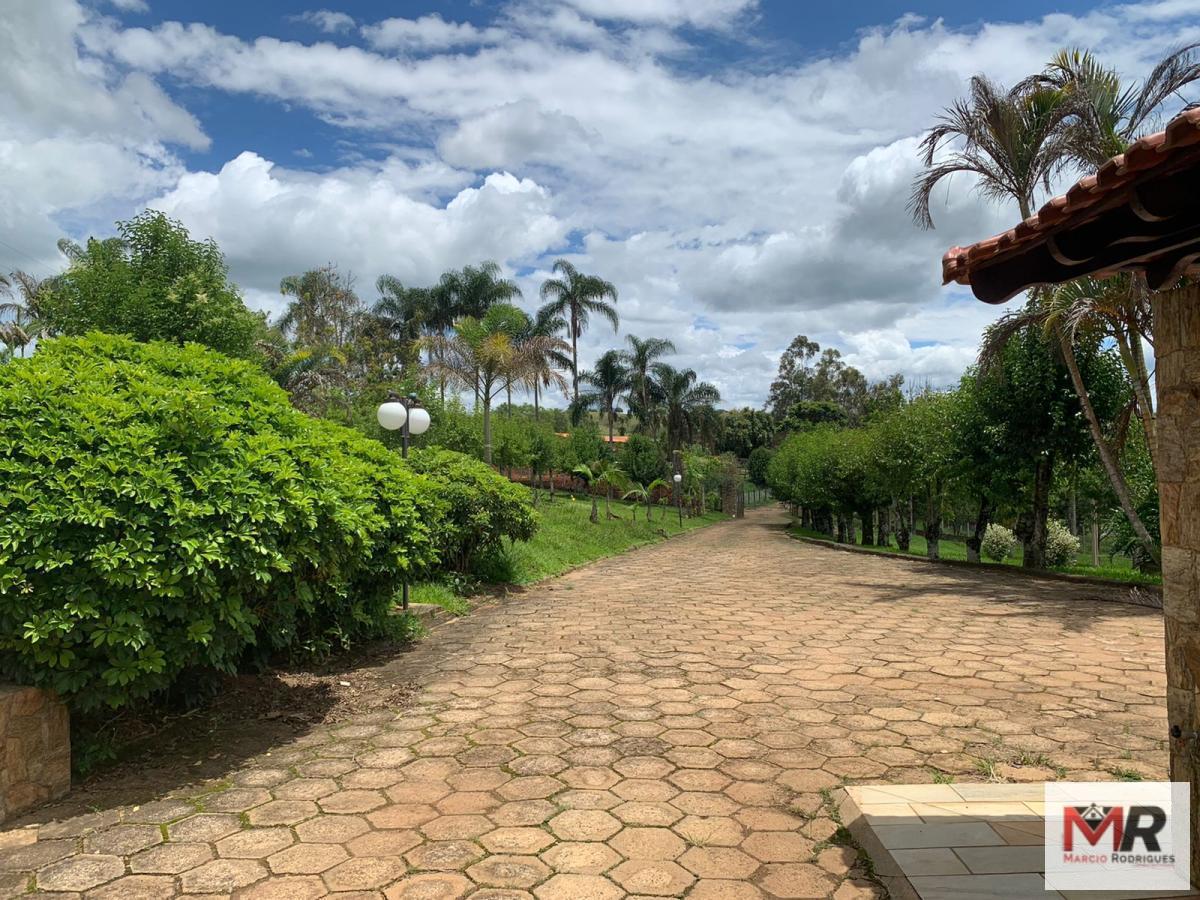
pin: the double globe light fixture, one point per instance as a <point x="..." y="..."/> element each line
<point x="406" y="415"/>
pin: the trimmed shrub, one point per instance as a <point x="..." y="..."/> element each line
<point x="163" y="509"/>
<point x="482" y="507"/>
<point x="758" y="464"/>
<point x="999" y="543"/>
<point x="1062" y="547"/>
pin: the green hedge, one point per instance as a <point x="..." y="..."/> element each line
<point x="482" y="507"/>
<point x="164" y="508"/>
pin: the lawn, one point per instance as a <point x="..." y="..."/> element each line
<point x="567" y="539"/>
<point x="1119" y="569"/>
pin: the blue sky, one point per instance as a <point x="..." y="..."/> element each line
<point x="739" y="168"/>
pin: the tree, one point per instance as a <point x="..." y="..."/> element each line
<point x="643" y="492"/>
<point x="745" y="430"/>
<point x="1012" y="141"/>
<point x="589" y="477"/>
<point x="1069" y="314"/>
<point x="814" y="386"/>
<point x="684" y="398"/>
<point x="404" y="314"/>
<point x="20" y="318"/>
<point x="484" y="355"/>
<point x="642" y="459"/>
<point x="608" y="380"/>
<point x="546" y="324"/>
<point x="152" y="282"/>
<point x="641" y="357"/>
<point x="576" y="297"/>
<point x="473" y="290"/>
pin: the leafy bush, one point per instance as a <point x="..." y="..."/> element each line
<point x="758" y="464"/>
<point x="642" y="459"/>
<point x="999" y="543"/>
<point x="164" y="509"/>
<point x="153" y="283"/>
<point x="482" y="506"/>
<point x="1062" y="547"/>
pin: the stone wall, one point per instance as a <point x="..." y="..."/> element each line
<point x="35" y="748"/>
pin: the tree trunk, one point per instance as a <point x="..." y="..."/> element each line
<point x="1115" y="476"/>
<point x="841" y="528"/>
<point x="868" y="530"/>
<point x="883" y="539"/>
<point x="975" y="541"/>
<point x="487" y="431"/>
<point x="903" y="532"/>
<point x="595" y="516"/>
<point x="1095" y="534"/>
<point x="536" y="411"/>
<point x="552" y="485"/>
<point x="1034" y="529"/>
<point x="1177" y="379"/>
<point x="611" y="445"/>
<point x="574" y="358"/>
<point x="933" y="523"/>
<point x="1073" y="505"/>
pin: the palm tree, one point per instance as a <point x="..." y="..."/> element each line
<point x="684" y="397"/>
<point x="575" y="297"/>
<point x="1108" y="116"/>
<point x="608" y="381"/>
<point x="485" y="355"/>
<point x="585" y="473"/>
<point x="546" y="324"/>
<point x="1013" y="141"/>
<point x="405" y="314"/>
<point x="473" y="290"/>
<point x="24" y="324"/>
<point x="645" y="494"/>
<point x="641" y="356"/>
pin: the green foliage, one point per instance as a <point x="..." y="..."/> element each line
<point x="1062" y="547"/>
<point x="480" y="507"/>
<point x="510" y="444"/>
<point x="642" y="459"/>
<point x="745" y="430"/>
<point x="153" y="282"/>
<point x="758" y="465"/>
<point x="164" y="509"/>
<point x="999" y="543"/>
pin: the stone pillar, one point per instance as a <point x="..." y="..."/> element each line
<point x="35" y="748"/>
<point x="1177" y="374"/>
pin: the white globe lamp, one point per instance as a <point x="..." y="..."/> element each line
<point x="392" y="415"/>
<point x="418" y="420"/>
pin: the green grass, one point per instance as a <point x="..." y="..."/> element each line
<point x="564" y="540"/>
<point x="1120" y="569"/>
<point x="567" y="539"/>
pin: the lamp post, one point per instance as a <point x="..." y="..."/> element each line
<point x="407" y="415"/>
<point x="677" y="478"/>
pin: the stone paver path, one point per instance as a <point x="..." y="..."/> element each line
<point x="667" y="723"/>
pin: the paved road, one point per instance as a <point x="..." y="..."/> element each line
<point x="662" y="724"/>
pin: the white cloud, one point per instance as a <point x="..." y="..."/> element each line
<point x="734" y="207"/>
<point x="430" y="32"/>
<point x="140" y="6"/>
<point x="328" y="20"/>
<point x="698" y="13"/>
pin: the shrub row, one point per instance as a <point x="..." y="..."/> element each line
<point x="165" y="509"/>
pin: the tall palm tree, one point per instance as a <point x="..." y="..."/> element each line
<point x="473" y="290"/>
<point x="22" y="314"/>
<point x="545" y="324"/>
<point x="1012" y="140"/>
<point x="641" y="357"/>
<point x="576" y="297"/>
<point x="608" y="380"/>
<point x="1108" y="116"/>
<point x="684" y="397"/>
<point x="485" y="355"/>
<point x="404" y="314"/>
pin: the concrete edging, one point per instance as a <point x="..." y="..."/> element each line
<point x="886" y="868"/>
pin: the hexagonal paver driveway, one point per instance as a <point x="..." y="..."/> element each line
<point x="661" y="724"/>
